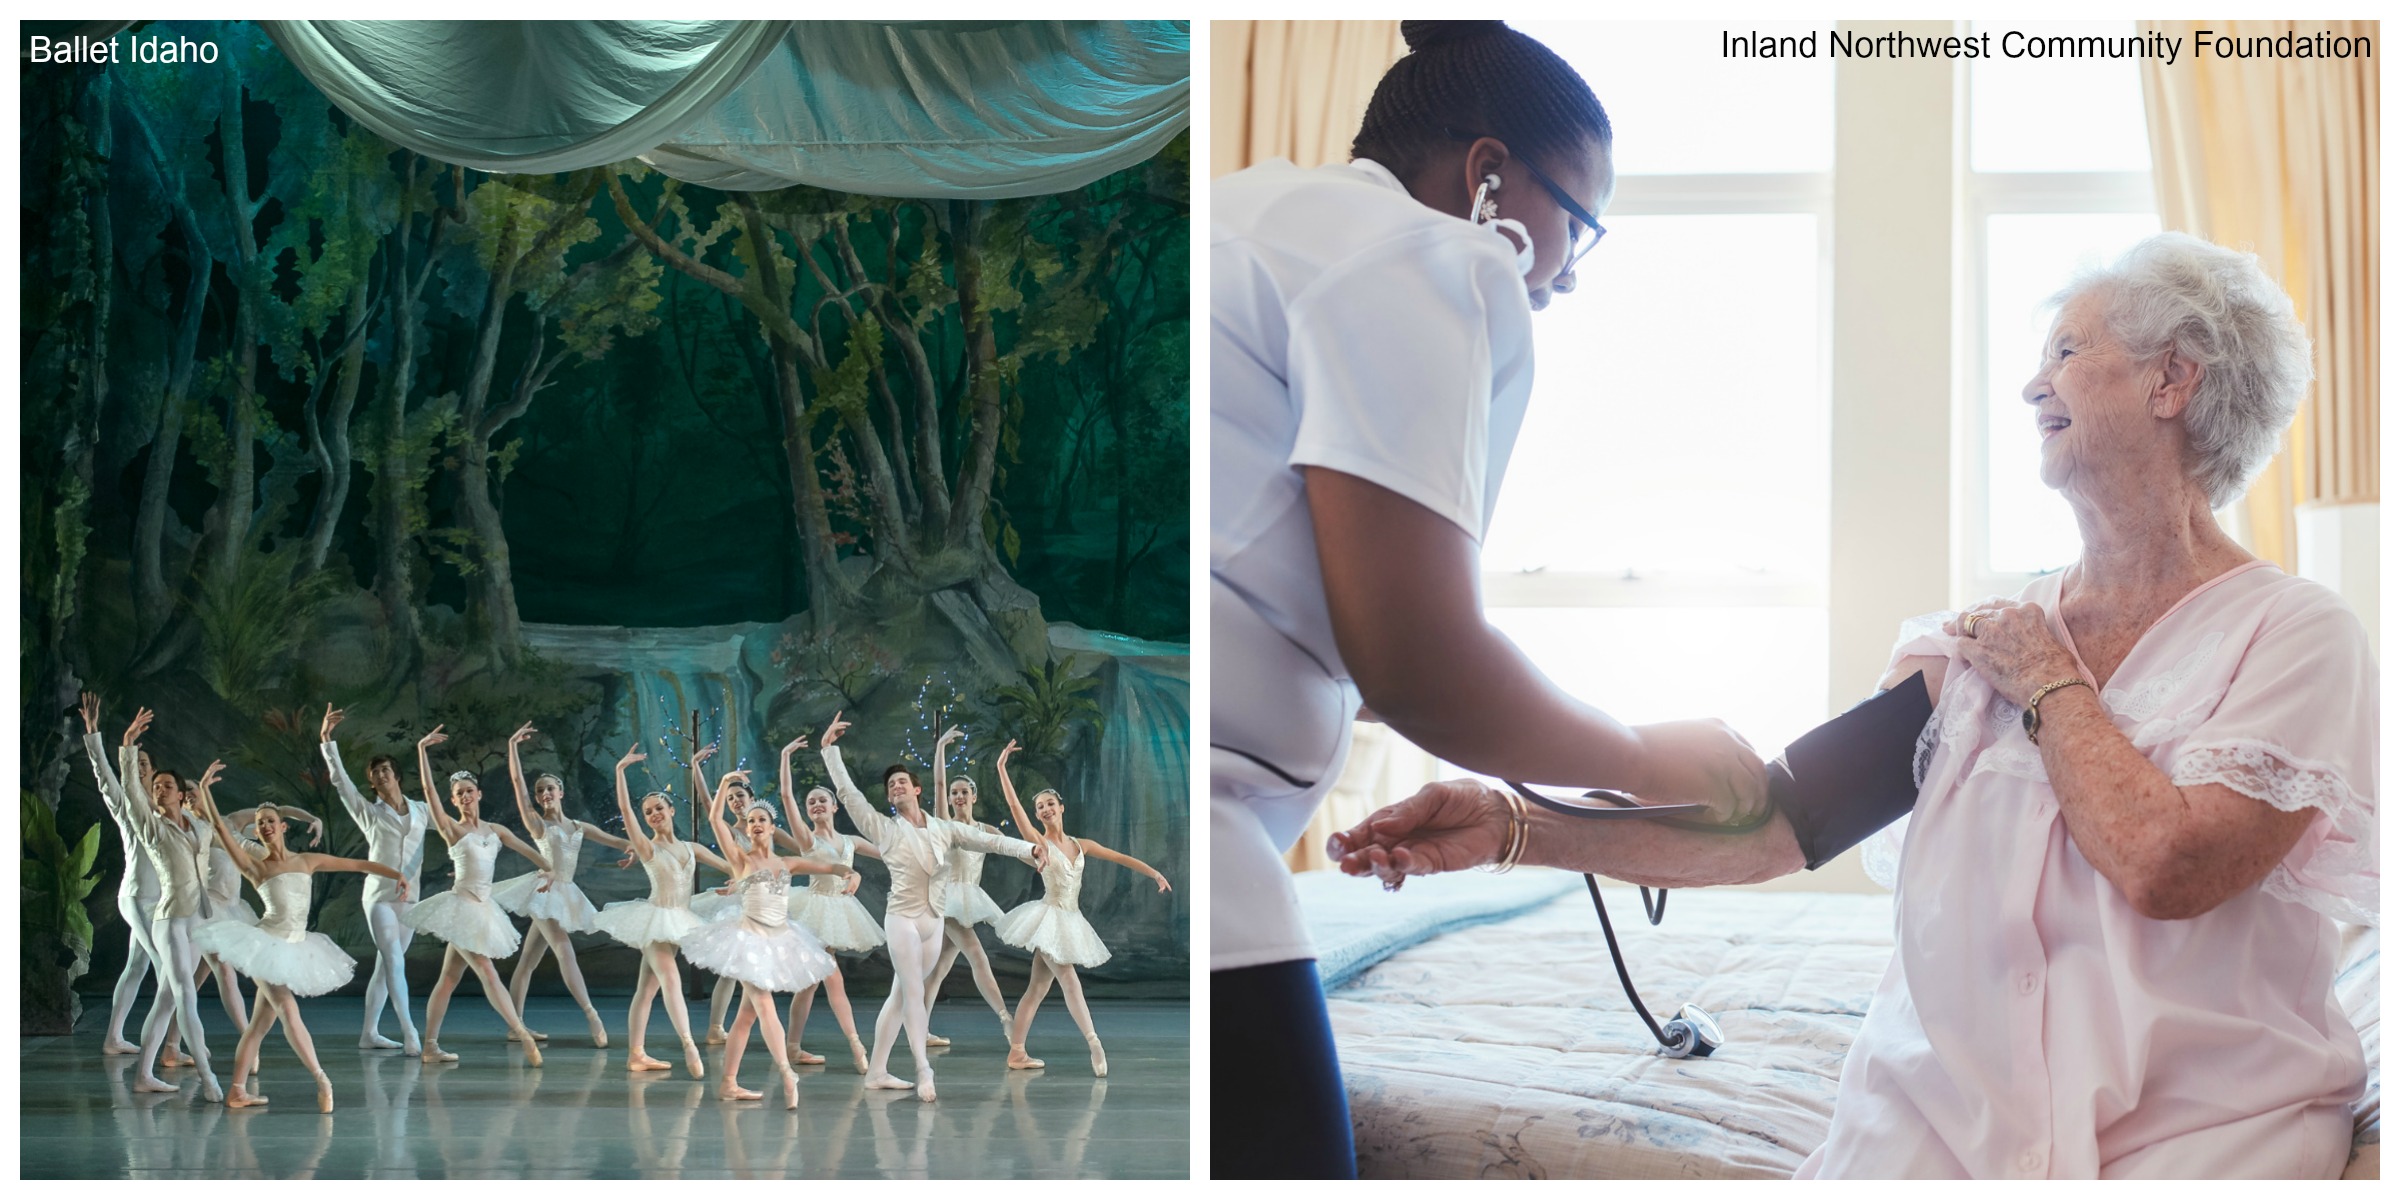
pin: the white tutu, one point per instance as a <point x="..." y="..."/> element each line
<point x="237" y="910"/>
<point x="639" y="923"/>
<point x="564" y="902"/>
<point x="311" y="966"/>
<point x="841" y="922"/>
<point x="709" y="905"/>
<point x="1059" y="932"/>
<point x="779" y="958"/>
<point x="968" y="904"/>
<point x="476" y="926"/>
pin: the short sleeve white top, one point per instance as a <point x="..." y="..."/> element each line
<point x="1356" y="329"/>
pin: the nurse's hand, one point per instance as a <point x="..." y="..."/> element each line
<point x="1702" y="762"/>
<point x="1448" y="826"/>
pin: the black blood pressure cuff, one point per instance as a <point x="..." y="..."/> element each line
<point x="1854" y="774"/>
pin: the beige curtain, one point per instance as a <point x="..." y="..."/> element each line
<point x="1383" y="767"/>
<point x="2280" y="157"/>
<point x="1292" y="89"/>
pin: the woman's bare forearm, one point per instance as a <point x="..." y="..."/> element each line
<point x="1655" y="855"/>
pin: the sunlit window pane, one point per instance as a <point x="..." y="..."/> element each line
<point x="2057" y="114"/>
<point x="1680" y="108"/>
<point x="1761" y="670"/>
<point x="1678" y="419"/>
<point x="2030" y="257"/>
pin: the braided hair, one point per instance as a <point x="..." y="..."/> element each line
<point x="1480" y="78"/>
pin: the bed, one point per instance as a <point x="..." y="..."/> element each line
<point x="1466" y="1060"/>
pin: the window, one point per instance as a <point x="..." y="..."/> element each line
<point x="1666" y="504"/>
<point x="2059" y="179"/>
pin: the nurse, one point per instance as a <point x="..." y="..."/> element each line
<point x="1371" y="357"/>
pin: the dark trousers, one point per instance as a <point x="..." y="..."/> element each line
<point x="1277" y="1109"/>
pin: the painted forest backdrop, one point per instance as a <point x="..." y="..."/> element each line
<point x="309" y="418"/>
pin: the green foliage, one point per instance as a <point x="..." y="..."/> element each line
<point x="54" y="879"/>
<point x="1047" y="711"/>
<point x="479" y="704"/>
<point x="849" y="664"/>
<point x="254" y="617"/>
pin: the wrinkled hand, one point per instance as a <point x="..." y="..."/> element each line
<point x="1449" y="826"/>
<point x="1703" y="762"/>
<point x="2012" y="647"/>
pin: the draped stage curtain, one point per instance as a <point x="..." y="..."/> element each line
<point x="1293" y="89"/>
<point x="961" y="110"/>
<point x="2281" y="158"/>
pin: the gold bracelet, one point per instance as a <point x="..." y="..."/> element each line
<point x="2033" y="705"/>
<point x="1520" y="831"/>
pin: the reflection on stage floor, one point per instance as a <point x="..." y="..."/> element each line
<point x="582" y="1115"/>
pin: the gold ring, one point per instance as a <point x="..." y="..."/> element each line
<point x="1967" y="627"/>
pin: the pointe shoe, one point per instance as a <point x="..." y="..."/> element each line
<point x="1099" y="1059"/>
<point x="728" y="1089"/>
<point x="152" y="1083"/>
<point x="209" y="1089"/>
<point x="371" y="1040"/>
<point x="691" y="1060"/>
<point x="171" y="1059"/>
<point x="120" y="1046"/>
<point x="935" y="1039"/>
<point x="858" y="1055"/>
<point x="410" y="1045"/>
<point x="538" y="1035"/>
<point x="925" y="1086"/>
<point x="715" y="1037"/>
<point x="791" y="1088"/>
<point x="636" y="1060"/>
<point x="432" y="1052"/>
<point x="1018" y="1060"/>
<point x="239" y="1098"/>
<point x="599" y="1031"/>
<point x="886" y="1081"/>
<point x="533" y="1053"/>
<point x="802" y="1058"/>
<point x="324" y="1093"/>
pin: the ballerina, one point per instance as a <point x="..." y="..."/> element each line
<point x="759" y="945"/>
<point x="656" y="927"/>
<point x="282" y="958"/>
<point x="394" y="826"/>
<point x="221" y="884"/>
<point x="830" y="909"/>
<point x="1053" y="927"/>
<point x="710" y="905"/>
<point x="172" y="844"/>
<point x="476" y="929"/>
<point x="549" y="900"/>
<point x="964" y="903"/>
<point x="914" y="847"/>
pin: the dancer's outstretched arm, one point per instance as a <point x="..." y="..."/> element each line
<point x="442" y="824"/>
<point x="941" y="762"/>
<point x="876" y="826"/>
<point x="636" y="839"/>
<point x="207" y="804"/>
<point x="112" y="784"/>
<point x="1008" y="791"/>
<point x="509" y="838"/>
<point x="354" y="802"/>
<point x="516" y="780"/>
<point x="328" y="862"/>
<point x="699" y="779"/>
<point x="1105" y="854"/>
<point x="791" y="803"/>
<point x="711" y="859"/>
<point x="594" y="833"/>
<point x="736" y="859"/>
<point x="138" y="811"/>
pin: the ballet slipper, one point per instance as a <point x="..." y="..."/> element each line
<point x="172" y="1059"/>
<point x="371" y="1040"/>
<point x="599" y="1031"/>
<point x="324" y="1093"/>
<point x="152" y="1083"/>
<point x="433" y="1053"/>
<point x="410" y="1045"/>
<point x="728" y="1089"/>
<point x="121" y="1046"/>
<point x="209" y="1090"/>
<point x="1018" y="1060"/>
<point x="715" y="1037"/>
<point x="925" y="1085"/>
<point x="791" y="1088"/>
<point x="858" y="1054"/>
<point x="935" y="1039"/>
<point x="538" y="1035"/>
<point x="802" y="1058"/>
<point x="886" y="1081"/>
<point x="1099" y="1059"/>
<point x="638" y="1061"/>
<point x="237" y="1098"/>
<point x="533" y="1052"/>
<point x="691" y="1060"/>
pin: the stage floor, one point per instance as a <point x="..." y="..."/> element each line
<point x="582" y="1115"/>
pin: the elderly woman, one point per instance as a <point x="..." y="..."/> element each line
<point x="2147" y="793"/>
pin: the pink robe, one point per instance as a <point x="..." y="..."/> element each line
<point x="2031" y="1023"/>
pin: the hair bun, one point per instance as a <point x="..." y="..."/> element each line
<point x="1422" y="35"/>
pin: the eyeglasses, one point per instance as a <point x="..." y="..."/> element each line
<point x="1580" y="221"/>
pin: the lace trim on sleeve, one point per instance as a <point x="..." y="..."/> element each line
<point x="2340" y="877"/>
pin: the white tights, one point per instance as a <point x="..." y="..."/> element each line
<point x="392" y="934"/>
<point x="958" y="939"/>
<point x="140" y="958"/>
<point x="172" y="939"/>
<point x="1046" y="969"/>
<point x="657" y="976"/>
<point x="552" y="936"/>
<point x="913" y="942"/>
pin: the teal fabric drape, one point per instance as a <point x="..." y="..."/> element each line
<point x="981" y="109"/>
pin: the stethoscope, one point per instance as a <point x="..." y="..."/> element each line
<point x="1691" y="1033"/>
